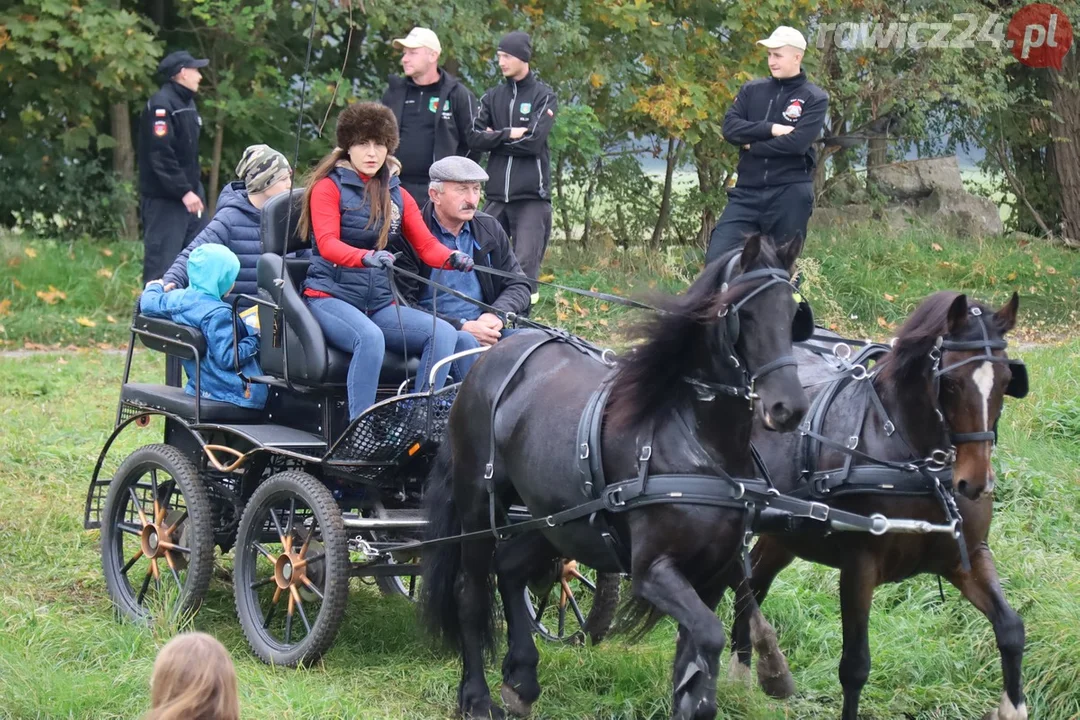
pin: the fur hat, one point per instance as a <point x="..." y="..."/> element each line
<point x="365" y="121"/>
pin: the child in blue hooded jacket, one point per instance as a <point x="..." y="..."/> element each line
<point x="212" y="271"/>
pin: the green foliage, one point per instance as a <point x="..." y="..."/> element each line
<point x="62" y="64"/>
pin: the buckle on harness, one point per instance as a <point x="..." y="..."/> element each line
<point x="852" y="442"/>
<point x="819" y="511"/>
<point x="616" y="497"/>
<point x="646" y="453"/>
<point x="889" y="427"/>
<point x="584" y="451"/>
<point x="859" y="372"/>
<point x="741" y="491"/>
<point x="489" y="471"/>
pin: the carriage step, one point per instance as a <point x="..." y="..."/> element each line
<point x="355" y="522"/>
<point x="279" y="436"/>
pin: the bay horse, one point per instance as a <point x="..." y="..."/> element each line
<point x="678" y="404"/>
<point x="938" y="391"/>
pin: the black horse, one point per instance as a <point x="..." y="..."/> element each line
<point x="679" y="403"/>
<point x="934" y="397"/>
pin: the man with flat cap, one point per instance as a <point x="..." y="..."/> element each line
<point x="435" y="112"/>
<point x="453" y="218"/>
<point x="172" y="198"/>
<point x="513" y="125"/>
<point x="774" y="121"/>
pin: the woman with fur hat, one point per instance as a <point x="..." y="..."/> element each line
<point x="353" y="206"/>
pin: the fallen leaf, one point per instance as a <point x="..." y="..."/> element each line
<point x="61" y="361"/>
<point x="834" y="327"/>
<point x="1051" y="270"/>
<point x="14" y="261"/>
<point x="106" y="252"/>
<point x="882" y="322"/>
<point x="562" y="301"/>
<point x="51" y="297"/>
<point x="546" y="278"/>
<point x="580" y="310"/>
<point x="561" y="316"/>
<point x="18" y="285"/>
<point x="30" y="252"/>
<point x="935" y="247"/>
<point x="604" y="307"/>
<point x="85" y="322"/>
<point x="616" y="290"/>
<point x="5" y="307"/>
<point x="104" y="273"/>
<point x="889" y="297"/>
<point x="1011" y="276"/>
<point x="111" y="319"/>
<point x="602" y="322"/>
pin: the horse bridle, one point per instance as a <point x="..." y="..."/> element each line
<point x="729" y="313"/>
<point x="1017" y="384"/>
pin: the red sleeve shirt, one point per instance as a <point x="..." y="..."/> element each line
<point x="326" y="224"/>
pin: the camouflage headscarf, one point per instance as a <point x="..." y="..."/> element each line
<point x="262" y="166"/>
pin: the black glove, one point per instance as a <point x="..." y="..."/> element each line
<point x="379" y="258"/>
<point x="460" y="261"/>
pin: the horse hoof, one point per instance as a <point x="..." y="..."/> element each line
<point x="737" y="672"/>
<point x="774" y="676"/>
<point x="1007" y="711"/>
<point x="514" y="703"/>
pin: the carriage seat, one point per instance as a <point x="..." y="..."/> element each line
<point x="312" y="361"/>
<point x="187" y="343"/>
<point x="174" y="400"/>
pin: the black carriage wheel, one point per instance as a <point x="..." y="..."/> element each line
<point x="406" y="586"/>
<point x="578" y="603"/>
<point x="157" y="543"/>
<point x="291" y="569"/>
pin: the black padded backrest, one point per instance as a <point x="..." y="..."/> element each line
<point x="278" y="228"/>
<point x="172" y="338"/>
<point x="308" y="362"/>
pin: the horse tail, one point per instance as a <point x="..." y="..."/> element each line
<point x="441" y="563"/>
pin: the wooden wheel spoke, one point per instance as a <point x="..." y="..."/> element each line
<point x="134" y="558"/>
<point x="566" y="593"/>
<point x="138" y="506"/>
<point x="307" y="542"/>
<point x="265" y="553"/>
<point x="277" y="526"/>
<point x="311" y="586"/>
<point x="172" y="569"/>
<point x="176" y="524"/>
<point x="129" y="529"/>
<point x="289" y="525"/>
<point x="154" y="569"/>
<point x="145" y="587"/>
<point x="255" y="585"/>
<point x="300" y="607"/>
<point x="175" y="548"/>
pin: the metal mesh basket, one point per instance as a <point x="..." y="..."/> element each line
<point x="391" y="432"/>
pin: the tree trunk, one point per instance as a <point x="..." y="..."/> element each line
<point x="877" y="154"/>
<point x="564" y="209"/>
<point x="711" y="181"/>
<point x="215" y="162"/>
<point x="590" y="191"/>
<point x="1065" y="99"/>
<point x="155" y="10"/>
<point x="665" y="200"/>
<point x="123" y="162"/>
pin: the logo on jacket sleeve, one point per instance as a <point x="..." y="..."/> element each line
<point x="525" y="108"/>
<point x="793" y="111"/>
<point x="433" y="105"/>
<point x="161" y="129"/>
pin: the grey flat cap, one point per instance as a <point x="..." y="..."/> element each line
<point x="457" y="169"/>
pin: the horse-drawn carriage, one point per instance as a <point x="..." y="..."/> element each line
<point x="304" y="498"/>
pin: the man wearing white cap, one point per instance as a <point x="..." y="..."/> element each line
<point x="774" y="121"/>
<point x="434" y="111"/>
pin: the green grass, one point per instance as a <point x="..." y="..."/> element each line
<point x="862" y="280"/>
<point x="63" y="654"/>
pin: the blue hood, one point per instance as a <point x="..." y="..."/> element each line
<point x="212" y="269"/>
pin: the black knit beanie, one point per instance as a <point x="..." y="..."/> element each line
<point x="518" y="44"/>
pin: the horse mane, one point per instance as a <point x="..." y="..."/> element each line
<point x="650" y="378"/>
<point x="909" y="357"/>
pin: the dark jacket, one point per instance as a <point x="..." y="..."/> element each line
<point x="169" y="144"/>
<point x="453" y="127"/>
<point x="783" y="160"/>
<point x="367" y="289"/>
<point x="518" y="169"/>
<point x="236" y="226"/>
<point x="495" y="252"/>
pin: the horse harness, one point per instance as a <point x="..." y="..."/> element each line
<point x="919" y="476"/>
<point x="751" y="495"/>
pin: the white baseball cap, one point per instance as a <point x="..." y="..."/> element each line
<point x="422" y="37"/>
<point x="782" y="36"/>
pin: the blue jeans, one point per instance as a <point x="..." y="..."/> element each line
<point x="465" y="341"/>
<point x="368" y="337"/>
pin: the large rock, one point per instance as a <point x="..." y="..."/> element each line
<point x="913" y="179"/>
<point x="965" y="214"/>
<point x="842" y="216"/>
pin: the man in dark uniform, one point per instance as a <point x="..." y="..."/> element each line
<point x="435" y="112"/>
<point x="513" y="125"/>
<point x="774" y="121"/>
<point x="172" y="198"/>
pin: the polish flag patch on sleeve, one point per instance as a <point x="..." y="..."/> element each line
<point x="551" y="113"/>
<point x="159" y="112"/>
